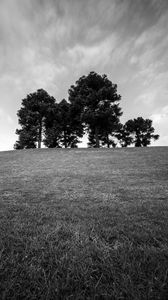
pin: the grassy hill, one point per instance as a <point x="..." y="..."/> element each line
<point x="84" y="224"/>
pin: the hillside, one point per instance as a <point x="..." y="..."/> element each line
<point x="84" y="224"/>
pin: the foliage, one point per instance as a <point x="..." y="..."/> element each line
<point x="62" y="127"/>
<point x="124" y="136"/>
<point x="141" y="131"/>
<point x="109" y="140"/>
<point x="52" y="131"/>
<point x="97" y="100"/>
<point x="27" y="139"/>
<point x="31" y="118"/>
<point x="105" y="139"/>
<point x="69" y="131"/>
<point x="93" y="106"/>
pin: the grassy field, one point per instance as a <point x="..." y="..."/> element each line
<point x="84" y="224"/>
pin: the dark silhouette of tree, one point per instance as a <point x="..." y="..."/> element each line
<point x="63" y="128"/>
<point x="91" y="139"/>
<point x="124" y="136"/>
<point x="52" y="131"/>
<point x="27" y="139"/>
<point x="98" y="105"/>
<point x="93" y="106"/>
<point x="106" y="140"/>
<point x="68" y="131"/>
<point x="141" y="131"/>
<point x="32" y="117"/>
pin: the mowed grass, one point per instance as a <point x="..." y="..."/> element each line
<point x="84" y="224"/>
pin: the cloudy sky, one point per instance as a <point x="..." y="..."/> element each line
<point x="49" y="44"/>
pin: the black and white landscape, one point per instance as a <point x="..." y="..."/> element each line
<point x="83" y="149"/>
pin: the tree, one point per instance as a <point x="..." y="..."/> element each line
<point x="68" y="131"/>
<point x="109" y="141"/>
<point x="105" y="140"/>
<point x="98" y="105"/>
<point x="27" y="139"/>
<point x="52" y="131"/>
<point x="31" y="116"/>
<point x="91" y="139"/>
<point x="62" y="126"/>
<point x="141" y="131"/>
<point x="124" y="136"/>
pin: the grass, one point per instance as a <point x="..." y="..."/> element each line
<point x="84" y="224"/>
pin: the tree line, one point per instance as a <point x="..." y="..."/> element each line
<point x="93" y="106"/>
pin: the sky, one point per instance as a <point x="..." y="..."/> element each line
<point x="49" y="44"/>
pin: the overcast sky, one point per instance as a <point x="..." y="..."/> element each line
<point x="49" y="44"/>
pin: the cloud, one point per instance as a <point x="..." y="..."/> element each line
<point x="87" y="56"/>
<point x="150" y="48"/>
<point x="5" y="117"/>
<point x="7" y="141"/>
<point x="160" y="123"/>
<point x="160" y="116"/>
<point x="148" y="72"/>
<point x="147" y="98"/>
<point x="7" y="136"/>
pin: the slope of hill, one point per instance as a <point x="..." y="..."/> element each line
<point x="84" y="224"/>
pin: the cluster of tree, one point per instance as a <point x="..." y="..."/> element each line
<point x="138" y="132"/>
<point x="92" y="107"/>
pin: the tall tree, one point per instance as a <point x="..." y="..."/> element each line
<point x="67" y="135"/>
<point x="141" y="131"/>
<point x="52" y="131"/>
<point x="32" y="115"/>
<point x="63" y="127"/>
<point x="98" y="105"/>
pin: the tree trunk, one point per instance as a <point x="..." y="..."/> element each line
<point x="108" y="142"/>
<point x="97" y="138"/>
<point x="138" y="142"/>
<point x="65" y="140"/>
<point x="40" y="135"/>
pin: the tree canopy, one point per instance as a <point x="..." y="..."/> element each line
<point x="93" y="106"/>
<point x="31" y="117"/>
<point x="98" y="105"/>
<point x="62" y="128"/>
<point x="141" y="131"/>
<point x="124" y="136"/>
